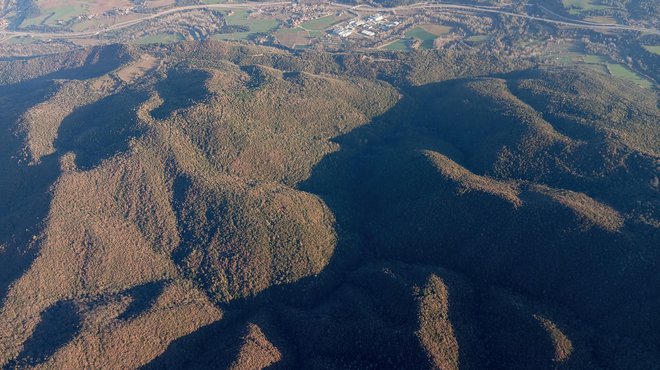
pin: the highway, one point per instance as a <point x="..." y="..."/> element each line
<point x="121" y="25"/>
<point x="5" y="35"/>
<point x="486" y="9"/>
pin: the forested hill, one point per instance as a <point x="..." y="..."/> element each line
<point x="221" y="205"/>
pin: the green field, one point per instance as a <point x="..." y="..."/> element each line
<point x="600" y="68"/>
<point x="592" y="59"/>
<point x="572" y="54"/>
<point x="240" y="18"/>
<point x="399" y="45"/>
<point x="161" y="38"/>
<point x="655" y="49"/>
<point x="299" y="37"/>
<point x="85" y="25"/>
<point x="478" y="38"/>
<point x="424" y="36"/>
<point x="52" y="16"/>
<point x="237" y="18"/>
<point x="316" y="33"/>
<point x="578" y="6"/>
<point x="322" y="23"/>
<point x="621" y="71"/>
<point x="601" y="19"/>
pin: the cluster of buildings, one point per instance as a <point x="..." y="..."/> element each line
<point x="122" y="11"/>
<point x="369" y="26"/>
<point x="302" y="13"/>
<point x="113" y="12"/>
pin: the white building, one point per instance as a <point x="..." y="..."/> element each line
<point x="376" y="18"/>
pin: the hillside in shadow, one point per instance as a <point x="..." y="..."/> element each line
<point x="60" y="324"/>
<point x="25" y="189"/>
<point x="24" y="201"/>
<point x="98" y="131"/>
<point x="465" y="175"/>
<point x="181" y="89"/>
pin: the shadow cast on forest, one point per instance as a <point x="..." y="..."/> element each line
<point x="334" y="180"/>
<point x="59" y="324"/>
<point x="390" y="202"/>
<point x="94" y="133"/>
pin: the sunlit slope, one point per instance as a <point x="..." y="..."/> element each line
<point x="158" y="193"/>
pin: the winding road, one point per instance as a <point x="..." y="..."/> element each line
<point x="6" y="35"/>
<point x="487" y="9"/>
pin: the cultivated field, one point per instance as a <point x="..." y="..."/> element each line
<point x="323" y="23"/>
<point x="478" y="38"/>
<point x="255" y="24"/>
<point x="601" y="19"/>
<point x="572" y="53"/>
<point x="424" y="34"/>
<point x="427" y="34"/>
<point x="245" y="19"/>
<point x="653" y="49"/>
<point x="578" y="6"/>
<point x="293" y="38"/>
<point x="621" y="71"/>
<point x="398" y="45"/>
<point x="53" y="12"/>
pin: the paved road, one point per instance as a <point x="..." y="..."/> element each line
<point x="496" y="10"/>
<point x="5" y="35"/>
<point x="121" y="25"/>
